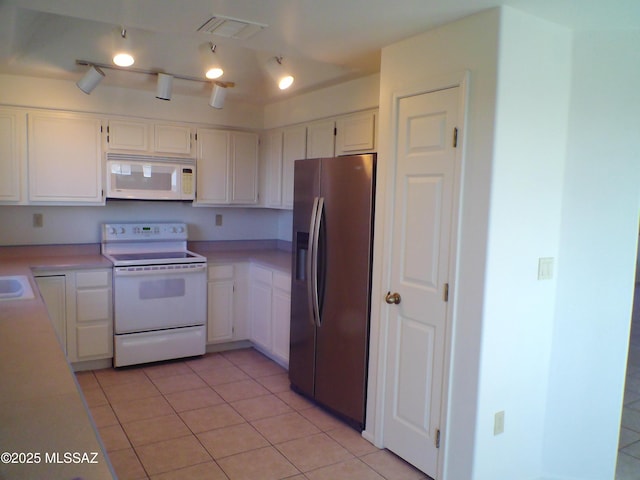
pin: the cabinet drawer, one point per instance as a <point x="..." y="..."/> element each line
<point x="221" y="272"/>
<point x="282" y="281"/>
<point x="93" y="279"/>
<point x="260" y="274"/>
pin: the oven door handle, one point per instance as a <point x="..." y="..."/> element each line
<point x="160" y="270"/>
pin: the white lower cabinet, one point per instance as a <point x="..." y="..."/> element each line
<point x="270" y="312"/>
<point x="281" y="316"/>
<point x="80" y="305"/>
<point x="220" y="303"/>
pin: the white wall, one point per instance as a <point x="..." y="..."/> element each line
<point x="82" y="224"/>
<point x="469" y="44"/>
<point x="352" y="96"/>
<point x="105" y="99"/>
<point x="597" y="254"/>
<point x="524" y="225"/>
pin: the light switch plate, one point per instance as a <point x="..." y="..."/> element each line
<point x="498" y="423"/>
<point x="545" y="268"/>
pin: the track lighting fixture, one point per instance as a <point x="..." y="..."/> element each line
<point x="215" y="71"/>
<point x="163" y="89"/>
<point x="123" y="57"/>
<point x="164" y="81"/>
<point x="90" y="80"/>
<point x="285" y="79"/>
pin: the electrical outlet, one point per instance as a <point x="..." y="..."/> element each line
<point x="218" y="220"/>
<point x="498" y="423"/>
<point x="37" y="220"/>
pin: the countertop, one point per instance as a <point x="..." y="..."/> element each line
<point x="45" y="428"/>
<point x="44" y="422"/>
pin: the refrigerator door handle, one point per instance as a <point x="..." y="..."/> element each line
<point x="312" y="263"/>
<point x="314" y="259"/>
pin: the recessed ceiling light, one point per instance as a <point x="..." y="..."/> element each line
<point x="123" y="59"/>
<point x="213" y="73"/>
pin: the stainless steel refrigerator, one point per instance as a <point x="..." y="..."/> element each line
<point x="331" y="282"/>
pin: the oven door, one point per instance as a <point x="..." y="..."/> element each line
<point x="159" y="297"/>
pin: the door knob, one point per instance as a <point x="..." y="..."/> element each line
<point x="392" y="298"/>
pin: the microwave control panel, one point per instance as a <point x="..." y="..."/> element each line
<point x="187" y="181"/>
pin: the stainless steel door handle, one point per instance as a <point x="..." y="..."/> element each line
<point x="392" y="298"/>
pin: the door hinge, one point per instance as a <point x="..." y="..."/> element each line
<point x="437" y="438"/>
<point x="455" y="137"/>
<point x="445" y="293"/>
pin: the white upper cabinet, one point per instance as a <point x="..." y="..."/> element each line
<point x="356" y="133"/>
<point x="12" y="155"/>
<point x="212" y="167"/>
<point x="244" y="164"/>
<point x="128" y="136"/>
<point x="172" y="139"/>
<point x="227" y="167"/>
<point x="272" y="172"/>
<point x="321" y="139"/>
<point x="65" y="158"/>
<point x="294" y="147"/>
<point x="149" y="138"/>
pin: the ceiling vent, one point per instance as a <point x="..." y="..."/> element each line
<point x="231" y="27"/>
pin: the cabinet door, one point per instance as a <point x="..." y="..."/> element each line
<point x="212" y="167"/>
<point x="294" y="147"/>
<point x="281" y="316"/>
<point x="244" y="175"/>
<point x="220" y="300"/>
<point x="273" y="161"/>
<point x="128" y="135"/>
<point x="321" y="139"/>
<point x="92" y="330"/>
<point x="53" y="291"/>
<point x="12" y="148"/>
<point x="64" y="158"/>
<point x="172" y="139"/>
<point x="260" y="331"/>
<point x="355" y="133"/>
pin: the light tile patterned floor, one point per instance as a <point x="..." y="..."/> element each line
<point x="628" y="467"/>
<point x="227" y="415"/>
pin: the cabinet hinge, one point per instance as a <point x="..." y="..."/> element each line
<point x="445" y="293"/>
<point x="437" y="438"/>
<point x="335" y="131"/>
<point x="455" y="137"/>
<point x="195" y="136"/>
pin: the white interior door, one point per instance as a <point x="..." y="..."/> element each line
<point x="423" y="200"/>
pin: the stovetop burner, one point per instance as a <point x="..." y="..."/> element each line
<point x="134" y="244"/>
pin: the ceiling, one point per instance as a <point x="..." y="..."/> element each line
<point x="322" y="42"/>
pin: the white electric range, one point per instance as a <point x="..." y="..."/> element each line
<point x="159" y="292"/>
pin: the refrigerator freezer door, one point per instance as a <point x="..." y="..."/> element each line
<point x="302" y="333"/>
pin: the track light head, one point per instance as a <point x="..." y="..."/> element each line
<point x="285" y="79"/>
<point x="90" y="80"/>
<point x="163" y="89"/>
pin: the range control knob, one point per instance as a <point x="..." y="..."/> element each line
<point x="112" y="231"/>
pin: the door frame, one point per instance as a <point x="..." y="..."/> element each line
<point x="381" y="273"/>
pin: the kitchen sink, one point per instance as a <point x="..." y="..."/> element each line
<point x="15" y="287"/>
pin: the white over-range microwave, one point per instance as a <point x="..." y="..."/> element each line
<point x="140" y="177"/>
